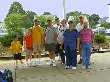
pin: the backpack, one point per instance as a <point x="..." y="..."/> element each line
<point x="7" y="75"/>
<point x="1" y="77"/>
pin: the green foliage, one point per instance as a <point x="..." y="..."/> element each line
<point x="17" y="18"/>
<point x="93" y="20"/>
<point x="6" y="40"/>
<point x="16" y="7"/>
<point x="31" y="15"/>
<point x="16" y="21"/>
<point x="43" y="19"/>
<point x="47" y="13"/>
<point x="76" y="15"/>
<point x="100" y="38"/>
<point x="105" y="24"/>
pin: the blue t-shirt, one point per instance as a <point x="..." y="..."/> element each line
<point x="70" y="38"/>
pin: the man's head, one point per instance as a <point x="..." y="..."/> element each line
<point x="57" y="21"/>
<point x="71" y="25"/>
<point x="49" y="22"/>
<point x="36" y="22"/>
<point x="64" y="22"/>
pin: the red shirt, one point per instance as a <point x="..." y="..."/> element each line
<point x="28" y="41"/>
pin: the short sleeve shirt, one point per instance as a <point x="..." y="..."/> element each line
<point x="37" y="33"/>
<point x="70" y="38"/>
<point x="49" y="35"/>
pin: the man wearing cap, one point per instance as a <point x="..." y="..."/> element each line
<point x="60" y="48"/>
<point x="51" y="41"/>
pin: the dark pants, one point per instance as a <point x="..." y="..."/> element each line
<point x="61" y="52"/>
<point x="62" y="55"/>
<point x="71" y="56"/>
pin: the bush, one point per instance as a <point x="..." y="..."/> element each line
<point x="100" y="38"/>
<point x="7" y="39"/>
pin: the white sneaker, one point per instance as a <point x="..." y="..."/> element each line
<point x="25" y="64"/>
<point x="33" y="63"/>
<point x="73" y="68"/>
<point x="67" y="67"/>
<point x="28" y="63"/>
<point x="54" y="65"/>
<point x="49" y="62"/>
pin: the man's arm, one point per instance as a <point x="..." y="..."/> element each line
<point x="55" y="36"/>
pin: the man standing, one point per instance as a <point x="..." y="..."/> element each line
<point x="37" y="39"/>
<point x="61" y="30"/>
<point x="50" y="41"/>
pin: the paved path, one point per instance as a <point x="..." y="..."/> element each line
<point x="100" y="71"/>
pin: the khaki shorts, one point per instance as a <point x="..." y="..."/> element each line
<point x="37" y="48"/>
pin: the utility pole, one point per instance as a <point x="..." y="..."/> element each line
<point x="109" y="12"/>
<point x="64" y="8"/>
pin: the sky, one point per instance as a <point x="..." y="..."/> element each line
<point x="56" y="8"/>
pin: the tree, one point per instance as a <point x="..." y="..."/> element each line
<point x="75" y="14"/>
<point x="16" y="7"/>
<point x="47" y="13"/>
<point x="17" y="19"/>
<point x="31" y="15"/>
<point x="93" y="20"/>
<point x="105" y="24"/>
<point x="43" y="20"/>
<point x="15" y="22"/>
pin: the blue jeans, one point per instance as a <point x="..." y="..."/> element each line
<point x="86" y="53"/>
<point x="71" y="56"/>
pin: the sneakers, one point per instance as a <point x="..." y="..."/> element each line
<point x="53" y="64"/>
<point x="70" y="67"/>
<point x="67" y="67"/>
<point x="73" y="68"/>
<point x="86" y="67"/>
<point x="50" y="62"/>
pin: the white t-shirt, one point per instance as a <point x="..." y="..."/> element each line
<point x="79" y="27"/>
<point x="61" y="30"/>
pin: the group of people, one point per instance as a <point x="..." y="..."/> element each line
<point x="63" y="38"/>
